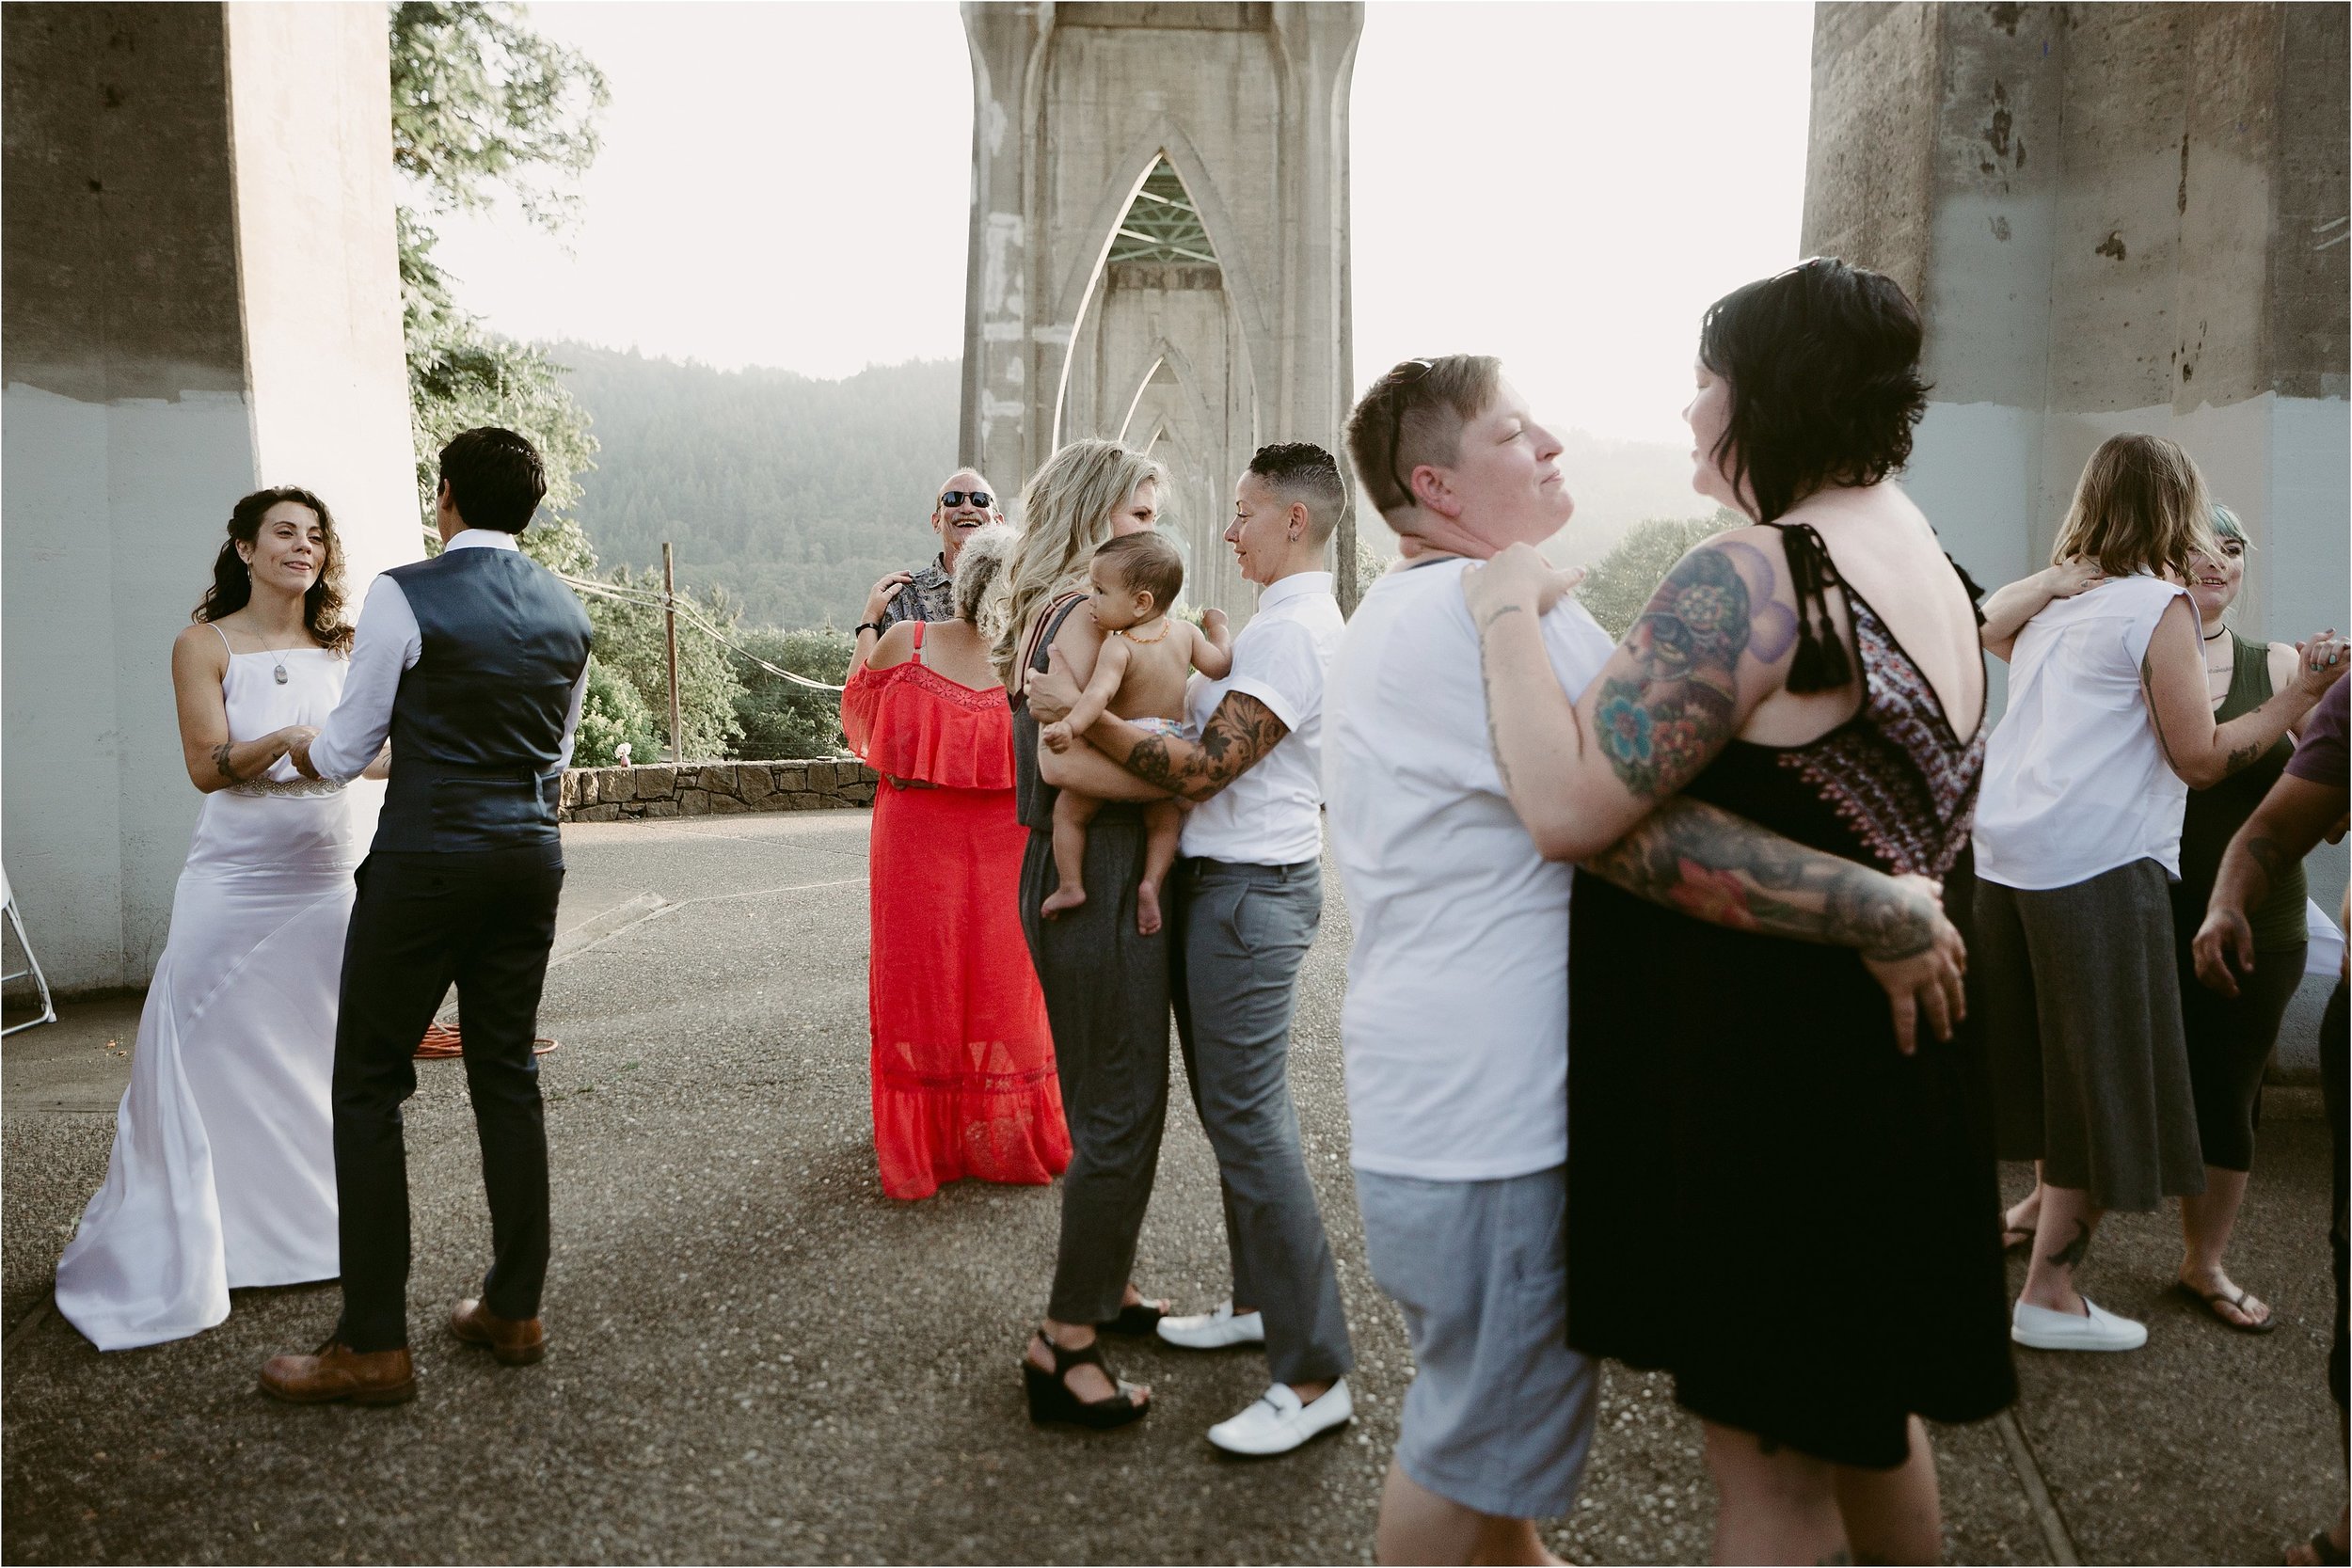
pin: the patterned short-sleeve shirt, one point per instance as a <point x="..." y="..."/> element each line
<point x="931" y="595"/>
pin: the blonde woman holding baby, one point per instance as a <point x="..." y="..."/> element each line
<point x="1105" y="981"/>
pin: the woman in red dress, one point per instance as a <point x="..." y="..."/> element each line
<point x="963" y="1057"/>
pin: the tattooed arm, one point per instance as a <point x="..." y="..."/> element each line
<point x="2199" y="752"/>
<point x="199" y="662"/>
<point x="2293" y="817"/>
<point x="1704" y="862"/>
<point x="1241" y="732"/>
<point x="1237" y="735"/>
<point x="1709" y="645"/>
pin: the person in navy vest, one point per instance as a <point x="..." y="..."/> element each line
<point x="474" y="664"/>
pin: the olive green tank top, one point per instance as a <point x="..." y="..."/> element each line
<point x="2215" y="815"/>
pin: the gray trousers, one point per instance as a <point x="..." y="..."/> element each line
<point x="1240" y="934"/>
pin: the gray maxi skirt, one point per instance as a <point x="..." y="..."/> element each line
<point x="2082" y="1018"/>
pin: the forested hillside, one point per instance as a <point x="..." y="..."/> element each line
<point x="792" y="493"/>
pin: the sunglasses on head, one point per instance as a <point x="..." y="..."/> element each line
<point x="1399" y="378"/>
<point x="980" y="498"/>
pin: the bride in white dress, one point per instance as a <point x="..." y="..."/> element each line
<point x="223" y="1171"/>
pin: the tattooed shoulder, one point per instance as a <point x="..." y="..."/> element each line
<point x="1662" y="720"/>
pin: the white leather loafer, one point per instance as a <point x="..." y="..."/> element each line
<point x="1217" y="1330"/>
<point x="2040" y="1328"/>
<point x="1279" y="1422"/>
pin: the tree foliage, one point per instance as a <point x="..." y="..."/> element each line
<point x="1616" y="590"/>
<point x="631" y="639"/>
<point x="485" y="110"/>
<point x="610" y="715"/>
<point x="796" y="494"/>
<point x="782" y="719"/>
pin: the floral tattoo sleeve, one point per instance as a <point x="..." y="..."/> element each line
<point x="1661" y="725"/>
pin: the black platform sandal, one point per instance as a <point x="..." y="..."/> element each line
<point x="1137" y="1317"/>
<point x="1050" y="1399"/>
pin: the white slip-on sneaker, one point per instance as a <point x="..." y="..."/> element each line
<point x="2040" y="1328"/>
<point x="1279" y="1422"/>
<point x="1217" y="1330"/>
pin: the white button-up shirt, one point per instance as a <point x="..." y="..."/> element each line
<point x="1272" y="814"/>
<point x="384" y="645"/>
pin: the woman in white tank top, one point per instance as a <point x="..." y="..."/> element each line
<point x="223" y="1170"/>
<point x="2077" y="841"/>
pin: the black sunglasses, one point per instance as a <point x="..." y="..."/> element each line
<point x="957" y="497"/>
<point x="1399" y="378"/>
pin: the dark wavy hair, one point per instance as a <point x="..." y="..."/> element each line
<point x="232" y="583"/>
<point x="1822" y="363"/>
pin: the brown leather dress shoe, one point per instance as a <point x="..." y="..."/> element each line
<point x="515" y="1341"/>
<point x="336" y="1371"/>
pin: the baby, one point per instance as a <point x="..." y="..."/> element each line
<point x="1140" y="675"/>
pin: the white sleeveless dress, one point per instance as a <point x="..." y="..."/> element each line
<point x="223" y="1172"/>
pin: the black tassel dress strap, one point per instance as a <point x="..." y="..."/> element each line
<point x="1821" y="662"/>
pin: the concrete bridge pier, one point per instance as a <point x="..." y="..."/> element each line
<point x="2115" y="218"/>
<point x="203" y="297"/>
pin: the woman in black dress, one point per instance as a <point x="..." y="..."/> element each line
<point x="1817" y="674"/>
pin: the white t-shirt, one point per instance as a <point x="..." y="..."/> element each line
<point x="1456" y="1026"/>
<point x="1272" y="814"/>
<point x="2076" y="782"/>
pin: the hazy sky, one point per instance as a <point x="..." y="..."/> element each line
<point x="1565" y="186"/>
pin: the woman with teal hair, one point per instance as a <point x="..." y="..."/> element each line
<point x="2229" y="1037"/>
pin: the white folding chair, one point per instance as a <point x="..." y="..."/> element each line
<point x="32" y="964"/>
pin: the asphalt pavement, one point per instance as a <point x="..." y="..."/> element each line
<point x="756" y="1356"/>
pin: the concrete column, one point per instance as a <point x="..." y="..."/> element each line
<point x="1075" y="104"/>
<point x="2114" y="217"/>
<point x="202" y="298"/>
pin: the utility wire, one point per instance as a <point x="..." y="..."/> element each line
<point x="647" y="598"/>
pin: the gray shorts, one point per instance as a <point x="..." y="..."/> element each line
<point x="1499" y="1415"/>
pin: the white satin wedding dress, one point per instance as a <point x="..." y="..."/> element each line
<point x="223" y="1172"/>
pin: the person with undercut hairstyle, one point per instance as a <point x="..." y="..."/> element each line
<point x="1816" y="671"/>
<point x="1458" y="1033"/>
<point x="1246" y="901"/>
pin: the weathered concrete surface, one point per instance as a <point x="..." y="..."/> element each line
<point x="1073" y="105"/>
<point x="2114" y="217"/>
<point x="202" y="298"/>
<point x="758" y="1358"/>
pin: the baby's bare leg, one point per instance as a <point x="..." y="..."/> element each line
<point x="1072" y="813"/>
<point x="1162" y="823"/>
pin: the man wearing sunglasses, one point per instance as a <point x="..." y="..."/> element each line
<point x="967" y="505"/>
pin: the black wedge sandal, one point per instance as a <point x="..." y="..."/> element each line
<point x="1051" y="1400"/>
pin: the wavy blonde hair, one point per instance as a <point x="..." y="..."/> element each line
<point x="2140" y="506"/>
<point x="1065" y="517"/>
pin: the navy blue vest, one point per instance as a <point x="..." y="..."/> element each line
<point x="478" y="723"/>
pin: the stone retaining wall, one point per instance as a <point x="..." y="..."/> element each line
<point x="715" y="789"/>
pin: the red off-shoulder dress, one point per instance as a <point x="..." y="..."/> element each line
<point x="962" y="1058"/>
